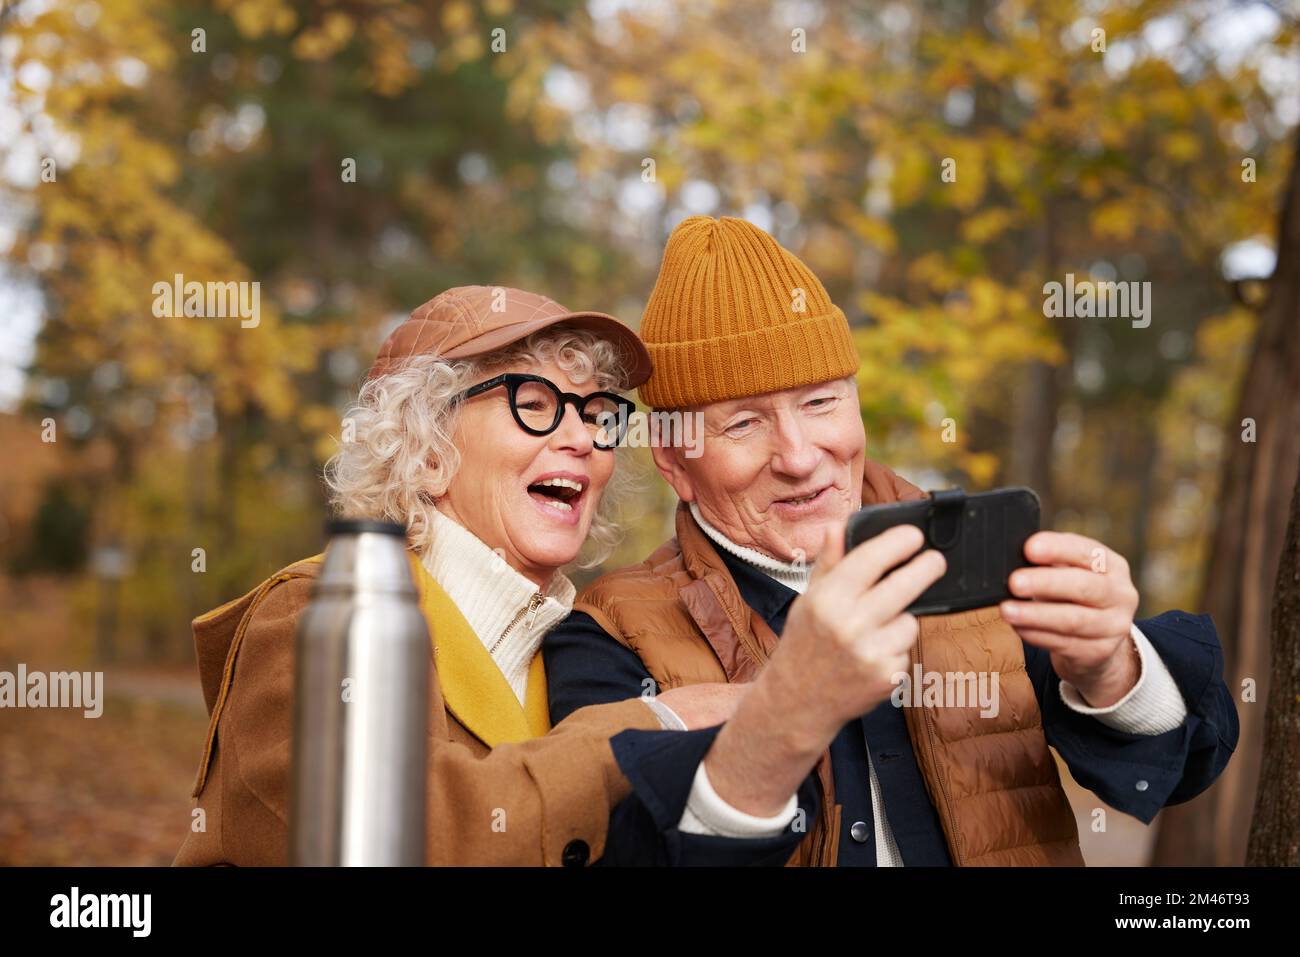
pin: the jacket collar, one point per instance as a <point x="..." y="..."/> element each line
<point x="737" y="632"/>
<point x="714" y="603"/>
<point x="473" y="688"/>
<point x="766" y="595"/>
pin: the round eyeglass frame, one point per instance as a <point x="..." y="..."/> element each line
<point x="513" y="380"/>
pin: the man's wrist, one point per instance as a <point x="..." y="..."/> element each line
<point x="708" y="813"/>
<point x="801" y="730"/>
<point x="761" y="754"/>
<point x="1152" y="706"/>
<point x="1119" y="684"/>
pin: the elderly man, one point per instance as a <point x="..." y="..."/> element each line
<point x="741" y="331"/>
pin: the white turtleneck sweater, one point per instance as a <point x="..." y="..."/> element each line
<point x="1153" y="705"/>
<point x="492" y="595"/>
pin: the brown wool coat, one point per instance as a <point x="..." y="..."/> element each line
<point x="993" y="780"/>
<point x="485" y="751"/>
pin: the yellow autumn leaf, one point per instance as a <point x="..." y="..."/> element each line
<point x="1182" y="146"/>
<point x="1114" y="220"/>
<point x="986" y="225"/>
<point x="457" y="16"/>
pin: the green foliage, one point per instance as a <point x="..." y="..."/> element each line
<point x="58" y="536"/>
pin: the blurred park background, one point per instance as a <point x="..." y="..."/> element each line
<point x="935" y="162"/>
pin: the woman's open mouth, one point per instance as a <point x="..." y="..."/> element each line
<point x="559" y="495"/>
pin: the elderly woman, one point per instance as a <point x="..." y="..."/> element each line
<point x="464" y="433"/>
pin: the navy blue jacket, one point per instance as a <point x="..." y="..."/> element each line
<point x="643" y="829"/>
<point x="1137" y="774"/>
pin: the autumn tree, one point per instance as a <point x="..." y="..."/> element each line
<point x="1259" y="473"/>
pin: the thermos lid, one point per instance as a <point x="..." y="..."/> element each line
<point x="356" y="526"/>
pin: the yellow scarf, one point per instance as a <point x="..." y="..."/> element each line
<point x="473" y="687"/>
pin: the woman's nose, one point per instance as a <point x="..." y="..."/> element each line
<point x="572" y="433"/>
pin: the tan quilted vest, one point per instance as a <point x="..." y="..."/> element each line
<point x="992" y="780"/>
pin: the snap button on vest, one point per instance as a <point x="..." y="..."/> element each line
<point x="859" y="832"/>
<point x="1142" y="785"/>
<point x="575" y="854"/>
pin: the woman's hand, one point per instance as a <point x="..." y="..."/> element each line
<point x="704" y="705"/>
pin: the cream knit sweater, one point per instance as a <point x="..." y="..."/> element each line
<point x="492" y="595"/>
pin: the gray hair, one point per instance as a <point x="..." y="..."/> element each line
<point x="402" y="456"/>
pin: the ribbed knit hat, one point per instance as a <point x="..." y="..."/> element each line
<point x="733" y="314"/>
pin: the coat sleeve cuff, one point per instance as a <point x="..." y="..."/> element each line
<point x="707" y="813"/>
<point x="646" y="827"/>
<point x="1139" y="774"/>
<point x="565" y="788"/>
<point x="1152" y="706"/>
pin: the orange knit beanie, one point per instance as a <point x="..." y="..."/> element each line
<point x="733" y="314"/>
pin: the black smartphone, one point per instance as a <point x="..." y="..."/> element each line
<point x="982" y="536"/>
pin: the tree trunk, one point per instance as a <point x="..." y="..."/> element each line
<point x="1255" y="490"/>
<point x="1035" y="426"/>
<point x="1275" y="833"/>
<point x="1038" y="398"/>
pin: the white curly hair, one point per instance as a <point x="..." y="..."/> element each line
<point x="402" y="456"/>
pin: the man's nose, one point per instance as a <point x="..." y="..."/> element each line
<point x="794" y="454"/>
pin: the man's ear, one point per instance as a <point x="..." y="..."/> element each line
<point x="668" y="460"/>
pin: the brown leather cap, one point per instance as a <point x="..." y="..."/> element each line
<point x="473" y="320"/>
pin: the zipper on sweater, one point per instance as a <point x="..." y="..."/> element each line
<point x="934" y="763"/>
<point x="534" y="603"/>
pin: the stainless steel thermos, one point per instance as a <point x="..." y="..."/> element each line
<point x="361" y="706"/>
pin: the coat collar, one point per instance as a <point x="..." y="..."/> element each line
<point x="760" y="591"/>
<point x="473" y="688"/>
<point x="738" y="633"/>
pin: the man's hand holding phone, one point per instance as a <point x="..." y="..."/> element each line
<point x="1077" y="599"/>
<point x="1078" y="604"/>
<point x="844" y="640"/>
<point x="850" y="630"/>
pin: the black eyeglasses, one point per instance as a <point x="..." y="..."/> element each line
<point x="538" y="406"/>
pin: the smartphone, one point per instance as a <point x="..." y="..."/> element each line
<point x="982" y="536"/>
